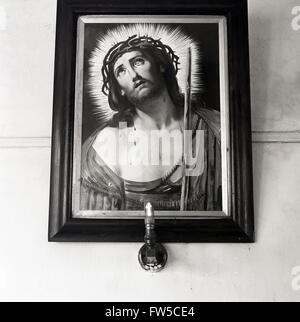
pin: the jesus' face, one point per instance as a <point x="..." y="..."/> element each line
<point x="139" y="78"/>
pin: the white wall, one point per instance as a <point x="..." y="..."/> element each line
<point x="33" y="269"/>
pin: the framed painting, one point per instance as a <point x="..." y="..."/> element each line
<point x="151" y="105"/>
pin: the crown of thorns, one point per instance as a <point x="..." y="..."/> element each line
<point x="130" y="44"/>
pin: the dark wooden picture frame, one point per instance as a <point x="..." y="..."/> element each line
<point x="238" y="226"/>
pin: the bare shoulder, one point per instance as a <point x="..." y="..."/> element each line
<point x="106" y="146"/>
<point x="105" y="135"/>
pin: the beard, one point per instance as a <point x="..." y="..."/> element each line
<point x="151" y="92"/>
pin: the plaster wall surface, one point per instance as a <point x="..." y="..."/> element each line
<point x="33" y="269"/>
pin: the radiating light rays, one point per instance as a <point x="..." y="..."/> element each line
<point x="171" y="36"/>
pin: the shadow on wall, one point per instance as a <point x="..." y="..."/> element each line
<point x="260" y="30"/>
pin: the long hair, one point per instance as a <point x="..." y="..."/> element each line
<point x="161" y="55"/>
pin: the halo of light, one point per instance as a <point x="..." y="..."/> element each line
<point x="173" y="37"/>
